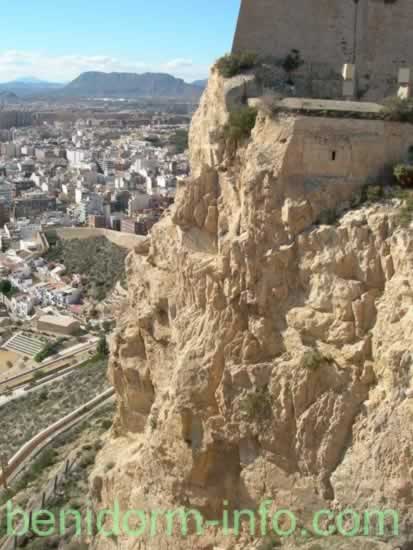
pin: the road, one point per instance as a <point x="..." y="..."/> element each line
<point x="61" y="360"/>
<point x="32" y="448"/>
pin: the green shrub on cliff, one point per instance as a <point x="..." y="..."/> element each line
<point x="258" y="405"/>
<point x="373" y="193"/>
<point x="314" y="359"/>
<point x="405" y="217"/>
<point x="240" y="125"/>
<point x="233" y="64"/>
<point x="398" y="110"/>
<point x="404" y="174"/>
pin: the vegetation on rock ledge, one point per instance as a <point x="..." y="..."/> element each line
<point x="398" y="110"/>
<point x="314" y="359"/>
<point x="240" y="125"/>
<point x="258" y="404"/>
<point x="236" y="63"/>
<point x="404" y="174"/>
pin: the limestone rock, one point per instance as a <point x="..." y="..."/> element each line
<point x="262" y="356"/>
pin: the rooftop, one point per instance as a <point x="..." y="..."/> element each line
<point x="60" y="320"/>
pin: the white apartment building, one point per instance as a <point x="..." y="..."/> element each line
<point x="145" y="165"/>
<point x="76" y="157"/>
<point x="45" y="294"/>
<point x="20" y="305"/>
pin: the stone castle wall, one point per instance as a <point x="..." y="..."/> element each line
<point x="331" y="158"/>
<point x="376" y="34"/>
<point x="125" y="240"/>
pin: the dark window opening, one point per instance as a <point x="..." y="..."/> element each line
<point x="333" y="155"/>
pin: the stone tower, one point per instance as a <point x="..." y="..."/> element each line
<point x="375" y="35"/>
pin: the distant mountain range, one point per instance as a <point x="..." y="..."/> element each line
<point x="201" y="83"/>
<point x="96" y="84"/>
<point x="8" y="97"/>
<point x="129" y="85"/>
<point x="27" y="86"/>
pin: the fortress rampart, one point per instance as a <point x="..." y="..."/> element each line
<point x="375" y="35"/>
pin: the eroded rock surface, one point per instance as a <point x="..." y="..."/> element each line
<point x="221" y="393"/>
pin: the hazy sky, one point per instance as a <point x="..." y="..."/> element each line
<point x="58" y="39"/>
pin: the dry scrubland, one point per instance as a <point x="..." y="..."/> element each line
<point x="23" y="418"/>
<point x="80" y="444"/>
<point x="8" y="359"/>
<point x="101" y="262"/>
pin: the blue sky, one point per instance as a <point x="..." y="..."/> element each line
<point x="59" y="39"/>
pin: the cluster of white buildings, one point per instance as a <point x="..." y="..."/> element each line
<point x="36" y="284"/>
<point x="89" y="170"/>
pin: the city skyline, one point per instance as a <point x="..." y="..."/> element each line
<point x="58" y="43"/>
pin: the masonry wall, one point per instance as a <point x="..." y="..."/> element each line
<point x="126" y="240"/>
<point x="326" y="153"/>
<point x="376" y="34"/>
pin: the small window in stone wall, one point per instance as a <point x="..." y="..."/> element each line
<point x="333" y="155"/>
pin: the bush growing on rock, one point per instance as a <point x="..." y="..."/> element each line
<point x="240" y="125"/>
<point x="398" y="110"/>
<point x="314" y="359"/>
<point x="406" y="212"/>
<point x="236" y="63"/>
<point x="258" y="404"/>
<point x="373" y="193"/>
<point x="404" y="174"/>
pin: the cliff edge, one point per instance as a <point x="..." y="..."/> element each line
<point x="264" y="355"/>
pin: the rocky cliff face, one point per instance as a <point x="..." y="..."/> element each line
<point x="263" y="356"/>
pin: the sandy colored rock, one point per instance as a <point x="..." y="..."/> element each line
<point x="263" y="355"/>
